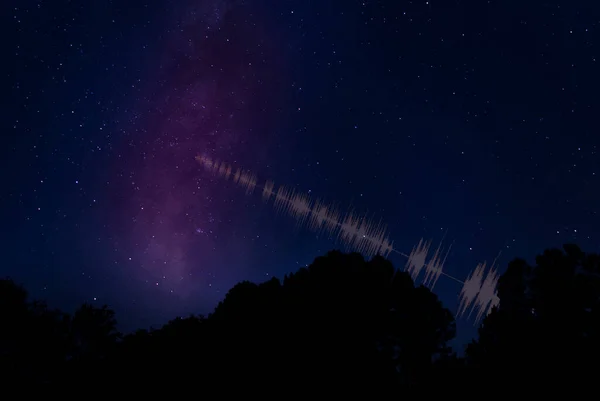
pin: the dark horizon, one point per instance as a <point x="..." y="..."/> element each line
<point x="342" y="324"/>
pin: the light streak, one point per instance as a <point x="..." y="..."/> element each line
<point x="362" y="235"/>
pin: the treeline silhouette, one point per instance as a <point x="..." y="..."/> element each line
<point x="342" y="326"/>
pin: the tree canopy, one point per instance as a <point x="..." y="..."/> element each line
<point x="547" y="324"/>
<point x="342" y="324"/>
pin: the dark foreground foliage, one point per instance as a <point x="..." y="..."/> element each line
<point x="341" y="327"/>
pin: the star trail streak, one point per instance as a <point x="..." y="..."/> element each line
<point x="362" y="235"/>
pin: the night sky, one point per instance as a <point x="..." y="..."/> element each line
<point x="471" y="122"/>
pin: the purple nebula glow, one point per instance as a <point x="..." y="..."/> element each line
<point x="204" y="100"/>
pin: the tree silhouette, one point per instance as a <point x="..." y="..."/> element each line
<point x="48" y="348"/>
<point x="94" y="331"/>
<point x="546" y="327"/>
<point x="93" y="341"/>
<point x="33" y="340"/>
<point x="341" y="324"/>
<point x="341" y="320"/>
<point x="337" y="327"/>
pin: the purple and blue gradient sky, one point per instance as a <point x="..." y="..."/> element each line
<point x="475" y="120"/>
